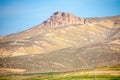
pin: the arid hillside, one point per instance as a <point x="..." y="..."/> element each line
<point x="62" y="30"/>
<point x="63" y="42"/>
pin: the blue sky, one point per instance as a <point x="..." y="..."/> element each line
<point x="19" y="15"/>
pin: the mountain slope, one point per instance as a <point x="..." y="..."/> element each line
<point x="65" y="59"/>
<point x="63" y="42"/>
<point x="41" y="39"/>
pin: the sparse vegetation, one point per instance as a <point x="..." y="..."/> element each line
<point x="65" y="59"/>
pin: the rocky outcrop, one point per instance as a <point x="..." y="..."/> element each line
<point x="62" y="19"/>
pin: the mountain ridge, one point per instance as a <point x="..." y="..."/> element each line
<point x="88" y="19"/>
<point x="63" y="18"/>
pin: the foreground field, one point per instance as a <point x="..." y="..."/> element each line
<point x="104" y="73"/>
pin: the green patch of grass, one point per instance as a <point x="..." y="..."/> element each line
<point x="38" y="73"/>
<point x="6" y="77"/>
<point x="27" y="75"/>
<point x="52" y="76"/>
<point x="83" y="77"/>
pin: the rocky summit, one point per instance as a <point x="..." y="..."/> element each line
<point x="62" y="19"/>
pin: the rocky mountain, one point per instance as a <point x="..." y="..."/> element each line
<point x="62" y="19"/>
<point x="35" y="40"/>
<point x="63" y="42"/>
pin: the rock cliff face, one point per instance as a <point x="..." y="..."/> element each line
<point x="62" y="19"/>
